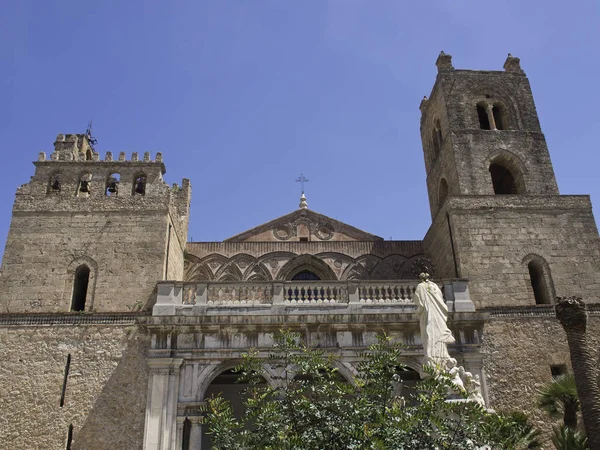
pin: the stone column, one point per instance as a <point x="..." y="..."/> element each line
<point x="161" y="404"/>
<point x="195" y="434"/>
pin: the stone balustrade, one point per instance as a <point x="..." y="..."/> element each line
<point x="188" y="298"/>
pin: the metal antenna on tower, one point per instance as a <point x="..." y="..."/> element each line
<point x="88" y="133"/>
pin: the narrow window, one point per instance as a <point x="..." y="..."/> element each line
<point x="69" y="437"/>
<point x="502" y="180"/>
<point x="558" y="370"/>
<point x="484" y="120"/>
<point x="139" y="185"/>
<point x="443" y="192"/>
<point x="436" y="138"/>
<point x="498" y="113"/>
<point x="187" y="431"/>
<point x="538" y="283"/>
<point x="303" y="239"/>
<point x="80" y="287"/>
<point x="112" y="184"/>
<point x="88" y="155"/>
<point x="65" y="378"/>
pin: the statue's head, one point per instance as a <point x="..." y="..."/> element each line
<point x="424" y="276"/>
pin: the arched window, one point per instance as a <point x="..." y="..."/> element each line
<point x="502" y="180"/>
<point x="305" y="275"/>
<point x="537" y="276"/>
<point x="499" y="117"/>
<point x="443" y="192"/>
<point x="80" y="288"/>
<point x="139" y="185"/>
<point x="88" y="155"/>
<point x="484" y="120"/>
<point x="85" y="185"/>
<point x="112" y="184"/>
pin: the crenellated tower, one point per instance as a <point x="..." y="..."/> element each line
<point x="498" y="218"/>
<point x="93" y="235"/>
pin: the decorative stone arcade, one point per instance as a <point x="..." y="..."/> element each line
<point x="200" y="331"/>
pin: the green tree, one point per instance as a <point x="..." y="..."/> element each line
<point x="309" y="405"/>
<point x="559" y="399"/>
<point x="566" y="438"/>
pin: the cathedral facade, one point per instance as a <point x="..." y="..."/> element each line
<point x="114" y="329"/>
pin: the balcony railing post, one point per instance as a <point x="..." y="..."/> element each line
<point x="168" y="297"/>
<point x="462" y="299"/>
<point x="201" y="293"/>
<point x="353" y="294"/>
<point x="278" y="293"/>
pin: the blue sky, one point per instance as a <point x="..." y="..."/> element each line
<point x="242" y="96"/>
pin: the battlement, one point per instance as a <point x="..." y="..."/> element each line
<point x="60" y="156"/>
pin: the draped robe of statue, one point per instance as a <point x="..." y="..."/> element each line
<point x="433" y="314"/>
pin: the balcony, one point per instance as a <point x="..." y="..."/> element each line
<point x="218" y="298"/>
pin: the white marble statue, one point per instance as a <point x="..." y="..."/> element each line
<point x="473" y="387"/>
<point x="455" y="372"/>
<point x="433" y="314"/>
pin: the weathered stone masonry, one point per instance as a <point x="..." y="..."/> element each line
<point x="105" y="304"/>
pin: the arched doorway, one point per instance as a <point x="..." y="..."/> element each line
<point x="228" y="385"/>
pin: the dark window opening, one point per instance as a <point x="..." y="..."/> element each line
<point x="54" y="185"/>
<point x="436" y="137"/>
<point x="66" y="376"/>
<point x="498" y="113"/>
<point x="187" y="431"/>
<point x="303" y="239"/>
<point x="502" y="180"/>
<point x="139" y="185"/>
<point x="88" y="155"/>
<point x="306" y="275"/>
<point x="443" y="192"/>
<point x="538" y="283"/>
<point x="69" y="437"/>
<point x="558" y="370"/>
<point x="80" y="287"/>
<point x="85" y="184"/>
<point x="484" y="120"/>
<point x="112" y="184"/>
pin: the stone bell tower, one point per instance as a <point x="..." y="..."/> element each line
<point x="498" y="218"/>
<point x="92" y="235"/>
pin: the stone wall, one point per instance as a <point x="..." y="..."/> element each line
<point x="495" y="236"/>
<point x="121" y="237"/>
<point x="518" y="352"/>
<point x="105" y="396"/>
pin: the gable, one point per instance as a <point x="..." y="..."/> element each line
<point x="303" y="224"/>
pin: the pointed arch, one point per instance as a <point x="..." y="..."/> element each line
<point x="355" y="272"/>
<point x="257" y="272"/>
<point x="230" y="272"/>
<point x="306" y="262"/>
